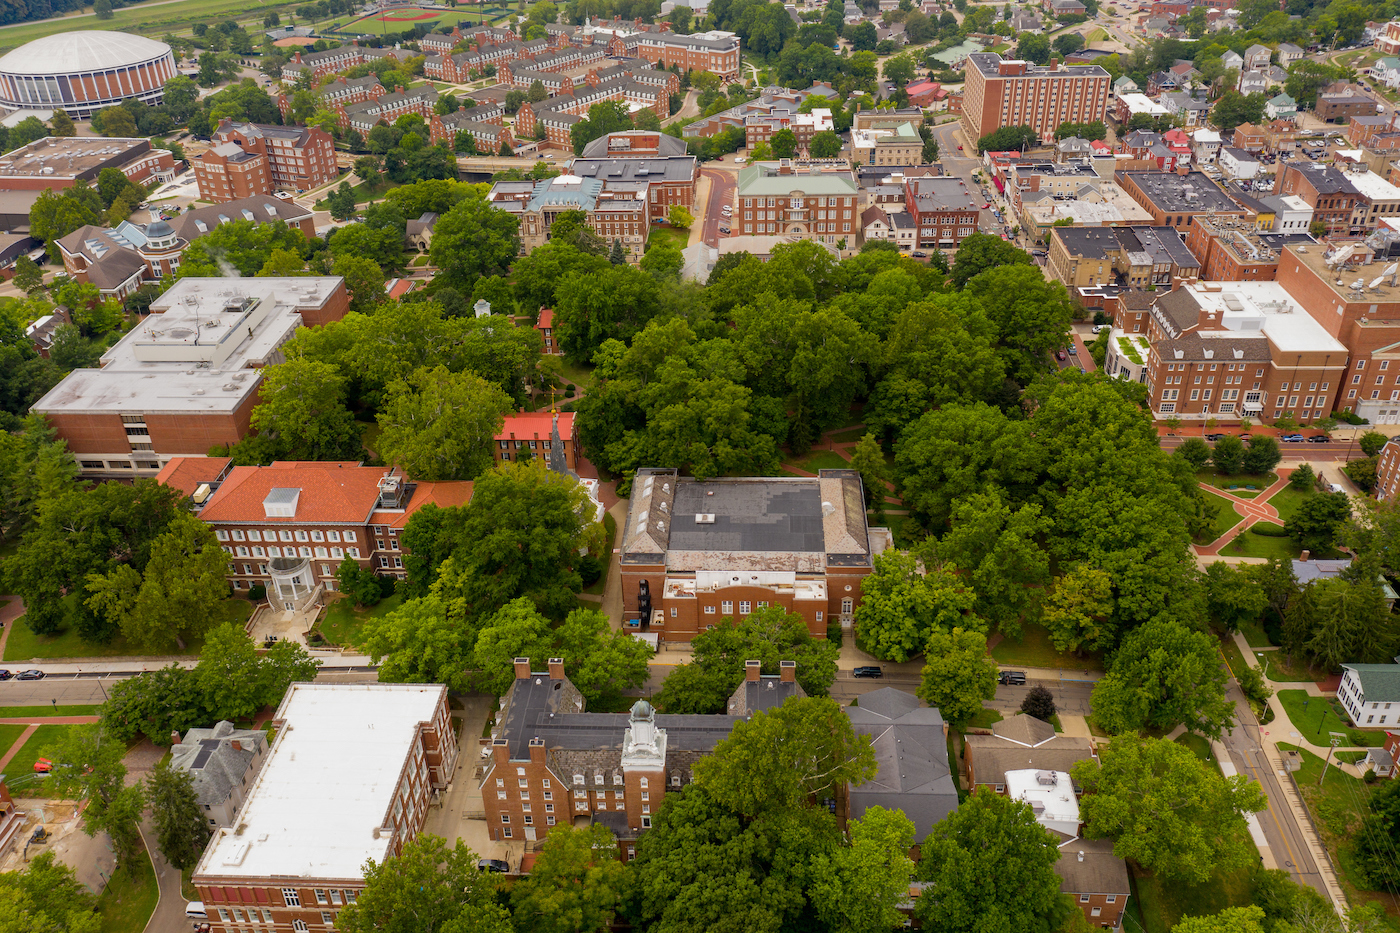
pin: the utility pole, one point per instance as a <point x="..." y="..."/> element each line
<point x="1335" y="741"/>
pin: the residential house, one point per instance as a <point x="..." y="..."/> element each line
<point x="418" y="234"/>
<point x="1192" y="109"/>
<point x="1237" y="163"/>
<point x="1205" y="145"/>
<point x="1233" y="59"/>
<point x="1281" y="107"/>
<point x="1306" y="570"/>
<point x="1252" y="82"/>
<point x="1095" y="880"/>
<point x="1016" y="743"/>
<point x="910" y="742"/>
<point x="1370" y="693"/>
<point x="1288" y="53"/>
<point x="1387" y="71"/>
<point x="221" y="762"/>
<point x="1248" y="137"/>
<point x="1256" y="57"/>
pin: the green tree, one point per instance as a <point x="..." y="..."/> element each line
<point x="304" y="409"/>
<point x="825" y="145"/>
<point x="61" y="124"/>
<point x="900" y="607"/>
<point x="1007" y="139"/>
<point x="1166" y="809"/>
<point x="779" y="758"/>
<point x="341" y="202"/>
<point x="46" y="896"/>
<point x="993" y="867"/>
<point x="229" y="675"/>
<point x="1194" y="451"/>
<point x="1079" y="611"/>
<point x="958" y="674"/>
<point x="242" y="244"/>
<point x="1164" y="675"/>
<point x="1262" y="454"/>
<point x="1336" y="621"/>
<point x="284" y="664"/>
<point x="679" y="216"/>
<point x="1234" y="108"/>
<point x="603" y="664"/>
<point x="664" y="261"/>
<point x="55" y="214"/>
<point x="1228" y="455"/>
<point x="784" y="143"/>
<point x="154" y="704"/>
<point x="1303" y="479"/>
<point x="1000" y="548"/>
<point x="1033" y="48"/>
<point x="181" y="829"/>
<point x="89" y="770"/>
<point x="1371" y="442"/>
<point x="1230" y="920"/>
<point x="473" y="239"/>
<point x="118" y="122"/>
<point x="575" y="884"/>
<point x="427" y="888"/>
<point x="420" y="643"/>
<point x="859" y="888"/>
<point x="28" y="276"/>
<point x="1232" y="598"/>
<point x="517" y="630"/>
<point x="769" y="635"/>
<point x="363" y="278"/>
<point x="869" y="461"/>
<point x="609" y="116"/>
<point x="982" y="252"/>
<point x="440" y="425"/>
<point x="1318" y="521"/>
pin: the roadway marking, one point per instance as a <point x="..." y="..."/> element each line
<point x="1292" y="856"/>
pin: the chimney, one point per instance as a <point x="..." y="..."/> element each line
<point x="751" y="671"/>
<point x="398" y="89"/>
<point x="1305" y="555"/>
<point x="500" y="751"/>
<point x="787" y="671"/>
<point x="235" y="745"/>
<point x="174" y="738"/>
<point x="556" y="668"/>
<point x="537" y="750"/>
<point x="522" y="668"/>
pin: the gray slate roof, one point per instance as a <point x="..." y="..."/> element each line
<point x="911" y="752"/>
<point x="1379" y="682"/>
<point x="208" y="755"/>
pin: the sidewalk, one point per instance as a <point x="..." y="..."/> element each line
<point x="97" y="667"/>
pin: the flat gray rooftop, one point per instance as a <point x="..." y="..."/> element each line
<point x="754" y="516"/>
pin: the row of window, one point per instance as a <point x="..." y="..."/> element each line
<point x="284" y="534"/>
<point x="295" y="552"/>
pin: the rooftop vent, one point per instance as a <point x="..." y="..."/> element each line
<point x="281" y="502"/>
<point x="705" y="518"/>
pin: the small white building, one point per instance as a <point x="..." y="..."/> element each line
<point x="1051" y="796"/>
<point x="1127" y="356"/>
<point x="1291" y="213"/>
<point x="1382" y="199"/>
<point x="1237" y="163"/>
<point x="1205" y="146"/>
<point x="1371" y="693"/>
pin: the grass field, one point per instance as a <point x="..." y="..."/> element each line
<point x="1034" y="649"/>
<point x="1315" y="717"/>
<point x="9" y="735"/>
<point x="143" y="18"/>
<point x="45" y="712"/>
<point x="1233" y="658"/>
<point x="130" y="898"/>
<point x="1249" y="544"/>
<point x="1279" y="667"/>
<point x="984" y="718"/>
<point x="1225" y="519"/>
<point x="1239" y="480"/>
<point x="849" y="437"/>
<point x="400" y="19"/>
<point x="1254" y="633"/>
<point x="24" y="645"/>
<point x="23" y="762"/>
<point x="1287" y="500"/>
<point x="342" y="623"/>
<point x="677" y="237"/>
<point x="1164" y="903"/>
<point x="819" y="460"/>
<point x="1200" y="746"/>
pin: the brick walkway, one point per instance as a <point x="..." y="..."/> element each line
<point x="19" y="743"/>
<point x="1254" y="510"/>
<point x="8" y="614"/>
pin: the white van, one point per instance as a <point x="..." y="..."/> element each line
<point x="194" y="910"/>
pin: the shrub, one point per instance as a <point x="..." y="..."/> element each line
<point x="833" y="632"/>
<point x="1039" y="702"/>
<point x="257" y="592"/>
<point x="1371" y="442"/>
<point x="1268" y="530"/>
<point x="1303" y="479"/>
<point x="569" y="392"/>
<point x="590" y="569"/>
<point x="1253" y="686"/>
<point x="1370" y="776"/>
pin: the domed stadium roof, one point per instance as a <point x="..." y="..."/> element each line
<point x="82" y="51"/>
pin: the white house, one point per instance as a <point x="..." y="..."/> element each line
<point x="1253" y="82"/>
<point x="1205" y="145"/>
<point x="1387" y="72"/>
<point x="1237" y="163"/>
<point x="1371" y="693"/>
<point x="1232" y="59"/>
<point x="1281" y="107"/>
<point x="1288" y="53"/>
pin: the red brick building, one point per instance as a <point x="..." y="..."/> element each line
<point x="1234" y="251"/>
<point x="159" y="393"/>
<point x="531" y="431"/>
<point x="350" y="777"/>
<point x="1002" y="93"/>
<point x="1327" y="190"/>
<point x="545" y="325"/>
<point x="695" y="552"/>
<point x="944" y="210"/>
<point x="58" y="162"/>
<point x="1175" y="199"/>
<point x="715" y="52"/>
<point x="245" y="159"/>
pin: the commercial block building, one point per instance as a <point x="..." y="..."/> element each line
<point x="944" y="210"/>
<point x="1234" y="251"/>
<point x="58" y="162"/>
<point x="1174" y="200"/>
<point x="186" y="378"/>
<point x="1240" y="349"/>
<point x="245" y="159"/>
<point x="1125" y="257"/>
<point x="350" y="777"/>
<point x="1328" y="190"/>
<point x="695" y="552"/>
<point x="1015" y="93"/>
<point x="778" y="198"/>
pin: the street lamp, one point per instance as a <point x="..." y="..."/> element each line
<point x="1335" y="741"/>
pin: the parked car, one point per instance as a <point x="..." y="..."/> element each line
<point x="1213" y="437"/>
<point x="1101" y="327"/>
<point x="493" y="864"/>
<point x="1335" y="487"/>
<point x="869" y="670"/>
<point x="1011" y="678"/>
<point x="1246" y="436"/>
<point x="1292" y="438"/>
<point x="1060" y="355"/>
<point x="30" y="675"/>
<point x="1073" y="350"/>
<point x="1318" y="438"/>
<point x="960" y="149"/>
<point x="919" y="254"/>
<point x="5" y="675"/>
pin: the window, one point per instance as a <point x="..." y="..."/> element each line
<point x="299" y="926"/>
<point x="267" y="915"/>
<point x="1001" y="788"/>
<point x="710" y="610"/>
<point x="1095" y="911"/>
<point x="727" y="607"/>
<point x="290" y="897"/>
<point x="505" y="817"/>
<point x="1083" y="898"/>
<point x="848" y="605"/>
<point x="743" y="607"/>
<point x="646" y="822"/>
<point x="1111" y="898"/>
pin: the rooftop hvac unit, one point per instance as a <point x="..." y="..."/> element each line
<point x="1045" y="778"/>
<point x="705" y="518"/>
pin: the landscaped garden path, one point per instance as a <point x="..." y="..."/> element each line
<point x="1254" y="510"/>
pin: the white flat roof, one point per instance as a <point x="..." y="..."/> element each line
<point x="1374" y="186"/>
<point x="201" y="354"/>
<point x="1141" y="103"/>
<point x="327" y="784"/>
<point x="1263" y="308"/>
<point x="1050" y="794"/>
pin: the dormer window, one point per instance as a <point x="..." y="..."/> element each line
<point x="281" y="503"/>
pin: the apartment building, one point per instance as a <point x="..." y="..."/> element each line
<point x="1342" y="101"/>
<point x="1328" y="190"/>
<point x="1388" y="471"/>
<point x="1240" y="349"/>
<point x="366" y="115"/>
<point x="1235" y="251"/>
<point x="1124" y="257"/>
<point x="1356" y="300"/>
<point x="781" y="199"/>
<point x="944" y="210"/>
<point x="616" y="211"/>
<point x="1002" y="92"/>
<point x="317" y="65"/>
<point x="246" y="159"/>
<point x="439" y="43"/>
<point x="887" y="137"/>
<point x="1176" y="199"/>
<point x="58" y="162"/>
<point x="337" y="95"/>
<point x="715" y="51"/>
<point x="556" y="116"/>
<point x="485" y="125"/>
<point x="350" y="777"/>
<point x="693" y="552"/>
<point x="186" y="378"/>
<point x="528" y="435"/>
<point x="762" y="127"/>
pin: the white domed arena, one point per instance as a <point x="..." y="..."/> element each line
<point x="82" y="72"/>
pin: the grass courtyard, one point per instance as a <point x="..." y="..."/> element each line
<point x="24" y="645"/>
<point x="1237" y="485"/>
<point x="126" y="904"/>
<point x="1315" y="717"/>
<point x="1226" y="518"/>
<point x="1034" y="649"/>
<point x="343" y="623"/>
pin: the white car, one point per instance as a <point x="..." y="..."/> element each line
<point x="726" y="210"/>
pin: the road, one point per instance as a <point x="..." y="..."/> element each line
<point x="964" y="165"/>
<point x="1278" y="822"/>
<point x="1332" y="450"/>
<point x="722" y="185"/>
<point x="87" y="690"/>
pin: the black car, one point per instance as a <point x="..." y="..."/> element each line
<point x="5" y="675"/>
<point x="870" y="670"/>
<point x="1011" y="678"/>
<point x="493" y="864"/>
<point x="1213" y="437"/>
<point x="30" y="675"/>
<point x="1318" y="438"/>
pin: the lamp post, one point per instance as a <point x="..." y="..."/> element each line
<point x="1335" y="741"/>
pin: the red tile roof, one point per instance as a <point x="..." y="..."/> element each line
<point x="546" y="317"/>
<point x="526" y="424"/>
<point x="443" y="495"/>
<point x="188" y="473"/>
<point x="331" y="492"/>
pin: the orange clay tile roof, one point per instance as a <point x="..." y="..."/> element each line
<point x="444" y="495"/>
<point x="188" y="473"/>
<point x="546" y="317"/>
<point x="331" y="491"/>
<point x="526" y="424"/>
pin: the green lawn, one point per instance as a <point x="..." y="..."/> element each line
<point x="130" y="898"/>
<point x="1315" y="717"/>
<point x="23" y="762"/>
<point x="1225" y="519"/>
<point x="342" y="622"/>
<point x="24" y="645"/>
<point x="1249" y="544"/>
<point x="9" y="734"/>
<point x="609" y="526"/>
<point x="45" y="712"/>
<point x="1254" y="633"/>
<point x="1287" y="500"/>
<point x="1277" y="666"/>
<point x="1200" y="746"/>
<point x="984" y="718"/>
<point x="143" y="18"/>
<point x="849" y="437"/>
<point x="1232" y="654"/>
<point x="667" y="234"/>
<point x="1033" y="649"/>
<point x="1260" y="481"/>
<point x="1164" y="903"/>
<point x="819" y="460"/>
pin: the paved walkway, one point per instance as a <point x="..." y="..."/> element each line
<point x="9" y="613"/>
<point x="1254" y="510"/>
<point x="19" y="743"/>
<point x="50" y="721"/>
